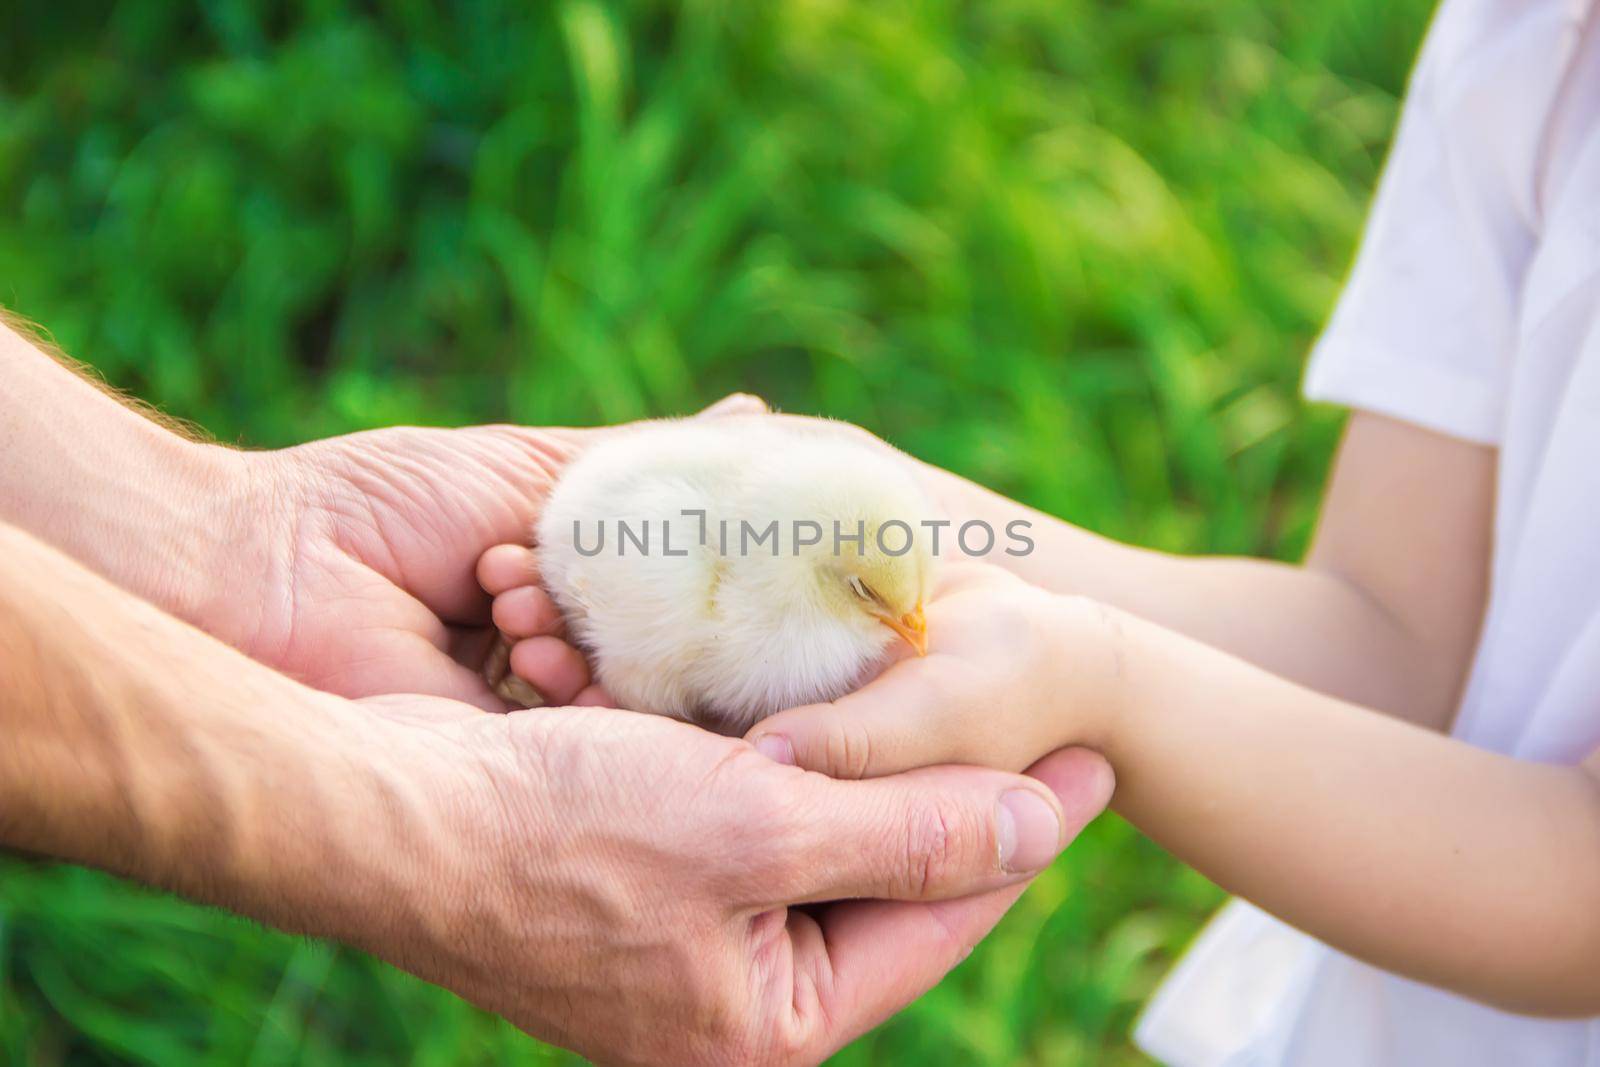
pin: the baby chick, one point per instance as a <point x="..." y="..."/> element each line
<point x="719" y="570"/>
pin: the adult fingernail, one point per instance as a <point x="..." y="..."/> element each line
<point x="1030" y="832"/>
<point x="776" y="748"/>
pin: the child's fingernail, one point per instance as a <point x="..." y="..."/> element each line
<point x="776" y="748"/>
<point x="736" y="404"/>
<point x="1030" y="832"/>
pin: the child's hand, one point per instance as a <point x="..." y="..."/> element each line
<point x="1012" y="674"/>
<point x="530" y="620"/>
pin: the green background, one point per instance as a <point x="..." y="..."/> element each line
<point x="1073" y="249"/>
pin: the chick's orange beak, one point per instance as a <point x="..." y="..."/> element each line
<point x="912" y="628"/>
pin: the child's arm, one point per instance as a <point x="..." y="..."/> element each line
<point x="1418" y="853"/>
<point x="1385" y="610"/>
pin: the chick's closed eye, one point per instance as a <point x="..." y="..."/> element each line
<point x="721" y="570"/>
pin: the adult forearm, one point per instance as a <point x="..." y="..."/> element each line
<point x="137" y="744"/>
<point x="149" y="509"/>
<point x="1418" y="853"/>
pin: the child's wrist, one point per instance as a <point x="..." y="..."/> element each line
<point x="1096" y="672"/>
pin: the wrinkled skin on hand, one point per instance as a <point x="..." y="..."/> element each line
<point x="364" y="547"/>
<point x="350" y="561"/>
<point x="621" y="883"/>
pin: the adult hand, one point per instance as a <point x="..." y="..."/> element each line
<point x="622" y="884"/>
<point x="363" y="553"/>
<point x="354" y="561"/>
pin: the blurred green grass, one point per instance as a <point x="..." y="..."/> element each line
<point x="1073" y="249"/>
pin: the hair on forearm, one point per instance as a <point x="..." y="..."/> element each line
<point x="40" y="339"/>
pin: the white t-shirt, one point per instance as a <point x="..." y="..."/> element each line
<point x="1474" y="310"/>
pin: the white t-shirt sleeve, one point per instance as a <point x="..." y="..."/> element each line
<point x="1426" y="325"/>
